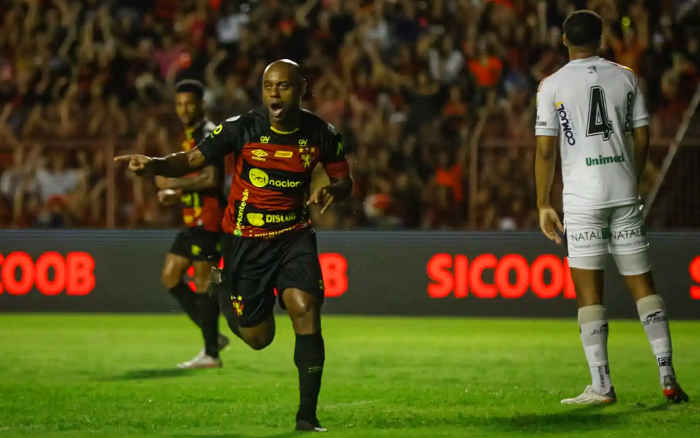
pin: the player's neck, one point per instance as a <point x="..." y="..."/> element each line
<point x="581" y="53"/>
<point x="291" y="122"/>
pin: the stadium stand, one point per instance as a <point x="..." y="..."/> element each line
<point x="436" y="99"/>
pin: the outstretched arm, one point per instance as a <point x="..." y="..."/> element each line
<point x="173" y="165"/>
<point x="224" y="139"/>
<point x="641" y="149"/>
<point x="207" y="178"/>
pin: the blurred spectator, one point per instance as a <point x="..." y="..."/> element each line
<point x="419" y="89"/>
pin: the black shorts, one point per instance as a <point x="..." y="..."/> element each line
<point x="198" y="244"/>
<point x="254" y="267"/>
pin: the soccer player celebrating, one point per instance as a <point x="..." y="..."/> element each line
<point x="201" y="198"/>
<point x="597" y="110"/>
<point x="268" y="242"/>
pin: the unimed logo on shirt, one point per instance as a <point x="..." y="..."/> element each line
<point x="51" y="273"/>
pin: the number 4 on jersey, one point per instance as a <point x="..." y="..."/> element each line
<point x="598" y="121"/>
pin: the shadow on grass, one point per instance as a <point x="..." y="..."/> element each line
<point x="578" y="419"/>
<point x="235" y="435"/>
<point x="587" y="418"/>
<point x="162" y="373"/>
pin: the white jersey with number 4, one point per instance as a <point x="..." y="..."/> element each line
<point x="592" y="105"/>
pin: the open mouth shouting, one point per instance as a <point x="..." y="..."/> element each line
<point x="276" y="109"/>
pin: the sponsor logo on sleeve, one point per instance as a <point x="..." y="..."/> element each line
<point x="566" y="125"/>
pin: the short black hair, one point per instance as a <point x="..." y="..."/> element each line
<point x="190" y="86"/>
<point x="583" y="28"/>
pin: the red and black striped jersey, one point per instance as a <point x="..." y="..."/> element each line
<point x="203" y="208"/>
<point x="272" y="170"/>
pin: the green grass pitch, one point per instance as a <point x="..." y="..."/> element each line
<point x="114" y="376"/>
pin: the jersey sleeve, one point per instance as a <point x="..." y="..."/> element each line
<point x="640" y="115"/>
<point x="333" y="154"/>
<point x="224" y="139"/>
<point x="547" y="123"/>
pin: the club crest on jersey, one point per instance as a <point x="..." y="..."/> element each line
<point x="259" y="154"/>
<point x="306" y="160"/>
<point x="264" y="139"/>
<point x="306" y="153"/>
<point x="237" y="303"/>
<point x="303" y="141"/>
<point x="566" y="125"/>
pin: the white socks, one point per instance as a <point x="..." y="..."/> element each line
<point x="593" y="325"/>
<point x="652" y="313"/>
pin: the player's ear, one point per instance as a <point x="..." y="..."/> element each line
<point x="565" y="40"/>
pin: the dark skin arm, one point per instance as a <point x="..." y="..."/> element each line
<point x="641" y="148"/>
<point x="545" y="160"/>
<point x="173" y="165"/>
<point x="338" y="190"/>
<point x="205" y="179"/>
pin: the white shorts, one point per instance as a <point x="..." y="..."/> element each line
<point x="591" y="235"/>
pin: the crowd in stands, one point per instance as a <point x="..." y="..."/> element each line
<point x="435" y="98"/>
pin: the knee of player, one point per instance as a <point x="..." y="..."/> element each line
<point x="259" y="342"/>
<point x="169" y="279"/>
<point x="299" y="304"/>
<point x="201" y="284"/>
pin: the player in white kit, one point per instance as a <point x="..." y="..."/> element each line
<point x="593" y="110"/>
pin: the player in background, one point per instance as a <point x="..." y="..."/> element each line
<point x="268" y="241"/>
<point x="597" y="111"/>
<point x="199" y="195"/>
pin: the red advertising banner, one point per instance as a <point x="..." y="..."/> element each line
<point x="480" y="274"/>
